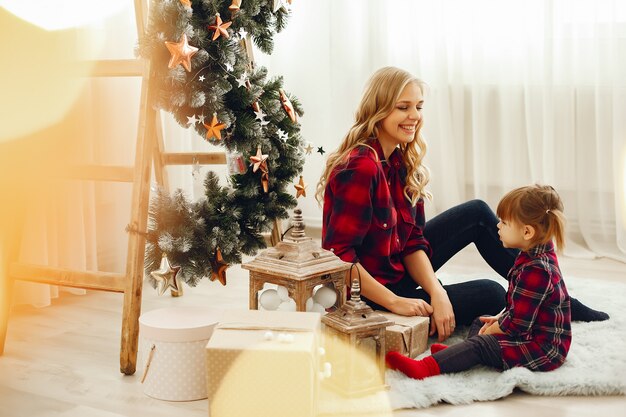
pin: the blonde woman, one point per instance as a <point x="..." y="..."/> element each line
<point x="373" y="190"/>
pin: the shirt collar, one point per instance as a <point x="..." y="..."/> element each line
<point x="535" y="251"/>
<point x="395" y="159"/>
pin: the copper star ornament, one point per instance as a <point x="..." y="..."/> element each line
<point x="279" y="4"/>
<point x="181" y="53"/>
<point x="220" y="27"/>
<point x="265" y="181"/>
<point x="288" y="106"/>
<point x="259" y="161"/>
<point x="235" y="6"/>
<point x="309" y="148"/>
<point x="218" y="267"/>
<point x="165" y="276"/>
<point x="214" y="129"/>
<point x="300" y="188"/>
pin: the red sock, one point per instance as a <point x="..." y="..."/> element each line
<point x="437" y="347"/>
<point x="412" y="368"/>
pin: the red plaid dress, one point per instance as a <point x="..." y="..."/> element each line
<point x="366" y="217"/>
<point x="536" y="320"/>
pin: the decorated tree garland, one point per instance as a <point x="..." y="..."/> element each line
<point x="207" y="82"/>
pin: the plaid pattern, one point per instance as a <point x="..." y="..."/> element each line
<point x="366" y="217"/>
<point x="536" y="320"/>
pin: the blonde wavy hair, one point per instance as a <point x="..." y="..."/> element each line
<point x="379" y="99"/>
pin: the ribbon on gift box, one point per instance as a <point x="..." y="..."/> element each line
<point x="248" y="326"/>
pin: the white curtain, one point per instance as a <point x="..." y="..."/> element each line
<point x="80" y="224"/>
<point x="519" y="92"/>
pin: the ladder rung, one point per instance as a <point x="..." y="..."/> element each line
<point x="190" y="158"/>
<point x="111" y="67"/>
<point x="100" y="173"/>
<point x="93" y="280"/>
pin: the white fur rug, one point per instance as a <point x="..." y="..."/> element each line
<point x="594" y="365"/>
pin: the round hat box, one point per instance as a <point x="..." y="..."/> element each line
<point x="173" y="347"/>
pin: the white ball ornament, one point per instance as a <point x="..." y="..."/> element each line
<point x="318" y="308"/>
<point x="269" y="299"/>
<point x="283" y="293"/>
<point x="325" y="296"/>
<point x="289" y="305"/>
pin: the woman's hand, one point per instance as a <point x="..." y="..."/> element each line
<point x="487" y="321"/>
<point x="410" y="307"/>
<point x="442" y="320"/>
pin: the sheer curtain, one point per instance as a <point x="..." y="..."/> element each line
<point x="80" y="224"/>
<point x="519" y="92"/>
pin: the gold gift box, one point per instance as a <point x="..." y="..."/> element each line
<point x="264" y="363"/>
<point x="408" y="335"/>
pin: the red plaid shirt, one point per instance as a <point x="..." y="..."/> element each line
<point x="367" y="219"/>
<point x="536" y="320"/>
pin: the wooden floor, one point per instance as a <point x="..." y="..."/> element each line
<point x="63" y="360"/>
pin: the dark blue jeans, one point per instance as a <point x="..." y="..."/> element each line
<point x="448" y="233"/>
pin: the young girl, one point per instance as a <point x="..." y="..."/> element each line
<point x="533" y="330"/>
<point x="373" y="189"/>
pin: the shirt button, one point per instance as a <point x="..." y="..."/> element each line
<point x="384" y="224"/>
<point x="332" y="249"/>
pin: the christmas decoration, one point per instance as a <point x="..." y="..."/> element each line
<point x="321" y="150"/>
<point x="352" y="332"/>
<point x="214" y="129"/>
<point x="288" y="107"/>
<point x="300" y="188"/>
<point x="165" y="276"/>
<point x="280" y="5"/>
<point x="303" y="266"/>
<point x="282" y="135"/>
<point x="186" y="3"/>
<point x="309" y="148"/>
<point x="181" y="53"/>
<point x="235" y="6"/>
<point x="220" y="28"/>
<point x="219" y="268"/>
<point x="232" y="215"/>
<point x="259" y="161"/>
<point x="265" y="181"/>
<point x="192" y="120"/>
<point x="235" y="163"/>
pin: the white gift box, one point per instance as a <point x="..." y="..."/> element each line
<point x="173" y="346"/>
<point x="264" y="364"/>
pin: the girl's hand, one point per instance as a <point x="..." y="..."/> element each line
<point x="442" y="320"/>
<point x="487" y="321"/>
<point x="494" y="328"/>
<point x="410" y="307"/>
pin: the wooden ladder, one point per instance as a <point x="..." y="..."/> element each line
<point x="149" y="150"/>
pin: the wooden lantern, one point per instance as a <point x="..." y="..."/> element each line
<point x="355" y="346"/>
<point x="300" y="265"/>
